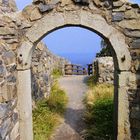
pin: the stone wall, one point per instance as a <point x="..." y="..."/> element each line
<point x="103" y="69"/>
<point x="117" y="21"/>
<point x="9" y="124"/>
<point x="7" y="6"/>
<point x="43" y="64"/>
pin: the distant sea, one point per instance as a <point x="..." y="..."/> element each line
<point x="79" y="58"/>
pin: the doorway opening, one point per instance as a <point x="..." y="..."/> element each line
<point x="92" y="49"/>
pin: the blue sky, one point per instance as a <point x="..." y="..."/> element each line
<point x="74" y="43"/>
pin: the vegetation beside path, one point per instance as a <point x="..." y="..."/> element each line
<point x="48" y="112"/>
<point x="99" y="111"/>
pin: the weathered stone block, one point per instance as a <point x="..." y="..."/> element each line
<point x="38" y="1"/>
<point x="130" y="14"/>
<point x="120" y="9"/>
<point x="118" y="3"/>
<point x="132" y="33"/>
<point x="3" y="110"/>
<point x="11" y="68"/>
<point x="117" y="16"/>
<point x="135" y="113"/>
<point x="4" y="128"/>
<point x="136" y="44"/>
<point x="83" y="2"/>
<point x="7" y="31"/>
<point x="27" y="11"/>
<point x="130" y="24"/>
<point x="9" y="58"/>
<point x="45" y="8"/>
<point x="35" y="15"/>
<point x="98" y="3"/>
<point x="2" y="71"/>
<point x="15" y="132"/>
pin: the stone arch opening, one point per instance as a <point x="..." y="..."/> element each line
<point x="95" y="23"/>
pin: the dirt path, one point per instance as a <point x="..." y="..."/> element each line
<point x="73" y="125"/>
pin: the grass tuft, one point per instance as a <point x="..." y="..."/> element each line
<point x="48" y="112"/>
<point x="57" y="100"/>
<point x="57" y="73"/>
<point x="99" y="114"/>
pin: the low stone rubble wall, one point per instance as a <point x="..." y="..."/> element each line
<point x="103" y="69"/>
<point x="43" y="64"/>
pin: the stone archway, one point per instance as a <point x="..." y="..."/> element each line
<point x="44" y="18"/>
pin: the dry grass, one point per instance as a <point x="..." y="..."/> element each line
<point x="99" y="91"/>
<point x="99" y="111"/>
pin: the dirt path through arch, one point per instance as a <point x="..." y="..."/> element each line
<point x="72" y="126"/>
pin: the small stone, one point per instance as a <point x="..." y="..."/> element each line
<point x="3" y="110"/>
<point x="132" y="33"/>
<point x="135" y="114"/>
<point x="13" y="5"/>
<point x="38" y="1"/>
<point x="128" y="7"/>
<point x="2" y="71"/>
<point x="135" y="5"/>
<point x="40" y="46"/>
<point x="97" y="3"/>
<point x="45" y="8"/>
<point x="136" y="43"/>
<point x="120" y="9"/>
<point x="54" y="2"/>
<point x="14" y="46"/>
<point x="12" y="41"/>
<point x="107" y="4"/>
<point x="65" y="2"/>
<point x="7" y="19"/>
<point x="15" y="132"/>
<point x="7" y="31"/>
<point x="130" y="24"/>
<point x="117" y="16"/>
<point x="25" y="24"/>
<point x="11" y="79"/>
<point x="7" y="137"/>
<point x="1" y="62"/>
<point x="35" y="15"/>
<point x="15" y="117"/>
<point x="26" y="12"/>
<point x="9" y="58"/>
<point x="11" y="68"/>
<point x="118" y="4"/>
<point x="83" y="2"/>
<point x="4" y="128"/>
<point x="2" y="23"/>
<point x="130" y="14"/>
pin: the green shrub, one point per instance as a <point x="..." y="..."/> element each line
<point x="48" y="113"/>
<point x="99" y="120"/>
<point x="57" y="73"/>
<point x="44" y="121"/>
<point x="57" y="100"/>
<point x="91" y="81"/>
